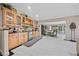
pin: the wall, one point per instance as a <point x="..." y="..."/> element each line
<point x="0" y="17"/>
<point x="74" y="19"/>
<point x="4" y="42"/>
<point x="39" y="27"/>
<point x="68" y="22"/>
<point x="1" y="42"/>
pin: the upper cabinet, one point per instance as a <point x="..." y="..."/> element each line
<point x="18" y="19"/>
<point x="27" y="21"/>
<point x="35" y="24"/>
<point x="23" y="20"/>
<point x="11" y="18"/>
<point x="8" y="17"/>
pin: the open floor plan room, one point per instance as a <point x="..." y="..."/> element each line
<point x="39" y="29"/>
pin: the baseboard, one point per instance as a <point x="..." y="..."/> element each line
<point x="77" y="54"/>
<point x="4" y="53"/>
<point x="70" y="40"/>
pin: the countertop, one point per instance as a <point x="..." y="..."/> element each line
<point x="22" y="31"/>
<point x="4" y="28"/>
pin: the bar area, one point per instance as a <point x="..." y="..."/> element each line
<point x="21" y="28"/>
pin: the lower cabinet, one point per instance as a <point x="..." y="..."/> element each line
<point x="37" y="33"/>
<point x="15" y="39"/>
<point x="21" y="38"/>
<point x="25" y="36"/>
<point x="34" y="34"/>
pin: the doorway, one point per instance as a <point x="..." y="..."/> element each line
<point x="54" y="29"/>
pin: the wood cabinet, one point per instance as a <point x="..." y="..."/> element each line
<point x="35" y="23"/>
<point x="11" y="18"/>
<point x="13" y="40"/>
<point x="30" y="21"/>
<point x="37" y="33"/>
<point x="27" y="21"/>
<point x="25" y="36"/>
<point x="34" y="34"/>
<point x="18" y="19"/>
<point x="16" y="39"/>
<point x="23" y="20"/>
<point x="21" y="39"/>
<point x="8" y="17"/>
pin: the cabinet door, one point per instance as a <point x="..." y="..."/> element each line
<point x="8" y="17"/>
<point x="13" y="40"/>
<point x="35" y="23"/>
<point x="19" y="20"/>
<point x="37" y="33"/>
<point x="21" y="39"/>
<point x="27" y="21"/>
<point x="23" y="20"/>
<point x="25" y="36"/>
<point x="34" y="34"/>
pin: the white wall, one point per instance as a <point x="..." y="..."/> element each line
<point x="74" y="19"/>
<point x="4" y="42"/>
<point x="0" y="17"/>
<point x="1" y="41"/>
<point x="68" y="22"/>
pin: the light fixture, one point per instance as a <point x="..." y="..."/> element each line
<point x="37" y="15"/>
<point x="29" y="7"/>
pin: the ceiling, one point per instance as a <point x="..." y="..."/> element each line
<point x="46" y="11"/>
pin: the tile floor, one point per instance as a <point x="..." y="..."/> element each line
<point x="48" y="46"/>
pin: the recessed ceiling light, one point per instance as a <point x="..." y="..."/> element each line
<point x="37" y="15"/>
<point x="29" y="7"/>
